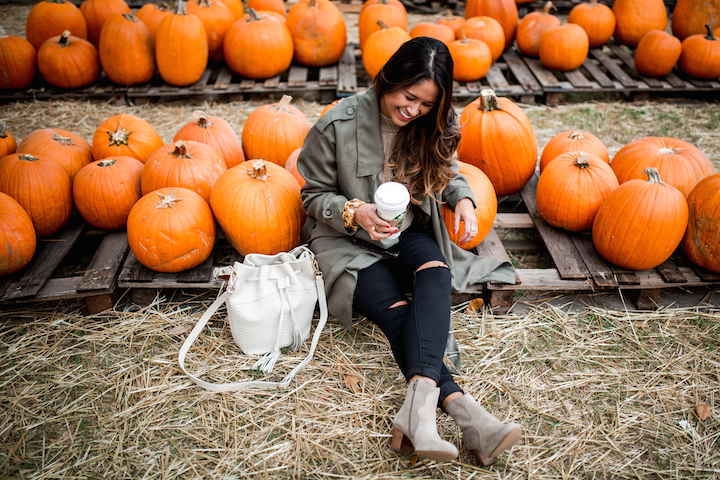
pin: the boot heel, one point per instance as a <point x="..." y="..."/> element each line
<point x="401" y="443"/>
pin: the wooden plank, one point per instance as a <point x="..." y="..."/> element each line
<point x="703" y="84"/>
<point x="578" y="80"/>
<point x="202" y="83"/>
<point x="548" y="81"/>
<point x="201" y="273"/>
<point x="297" y="76"/>
<point x="544" y="279"/>
<point x="246" y="84"/>
<point x="597" y="74"/>
<point x="328" y="76"/>
<point x="675" y="81"/>
<point x="347" y="79"/>
<point x="58" y="289"/>
<point x="44" y="264"/>
<point x="513" y="220"/>
<point x="521" y="71"/>
<point x="492" y="247"/>
<point x="105" y="265"/>
<point x="272" y="82"/>
<point x="628" y="60"/>
<point x="134" y="271"/>
<point x="600" y="271"/>
<point x="474" y="87"/>
<point x="496" y="79"/>
<point x="223" y="80"/>
<point x="568" y="261"/>
<point x="706" y="275"/>
<point x="670" y="272"/>
<point x="613" y="68"/>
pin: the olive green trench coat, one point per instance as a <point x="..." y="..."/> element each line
<point x="340" y="160"/>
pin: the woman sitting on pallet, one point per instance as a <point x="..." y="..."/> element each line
<point x="403" y="130"/>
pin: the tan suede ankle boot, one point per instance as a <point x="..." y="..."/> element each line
<point x="483" y="434"/>
<point x="415" y="425"/>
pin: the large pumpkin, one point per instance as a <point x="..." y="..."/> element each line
<point x="259" y="208"/>
<point x="236" y="7"/>
<point x="382" y="45"/>
<point x="192" y="165"/>
<point x="657" y="53"/>
<point x="126" y="50"/>
<point x="171" y="230"/>
<point x="597" y="19"/>
<point x="434" y="30"/>
<point x="67" y="61"/>
<point x="51" y="18"/>
<point x="152" y="14"/>
<point x="70" y="151"/>
<point x="472" y="59"/>
<point x="277" y="6"/>
<point x="564" y="47"/>
<point x="17" y="236"/>
<point x="41" y="187"/>
<point x="572" y="188"/>
<point x="125" y="136"/>
<point x="497" y="137"/>
<point x="106" y="190"/>
<point x="641" y="223"/>
<point x="181" y="47"/>
<point x="96" y="12"/>
<point x="573" y="141"/>
<point x="531" y="28"/>
<point x="8" y="144"/>
<point x="485" y="212"/>
<point x="386" y="12"/>
<point x="634" y="18"/>
<point x="258" y="46"/>
<point x="701" y="243"/>
<point x="504" y="11"/>
<point x="487" y="30"/>
<point x="217" y="18"/>
<point x="217" y="133"/>
<point x="318" y="31"/>
<point x="679" y="163"/>
<point x="690" y="16"/>
<point x="700" y="55"/>
<point x="272" y="132"/>
<point x="18" y="59"/>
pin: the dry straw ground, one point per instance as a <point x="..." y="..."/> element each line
<point x="600" y="394"/>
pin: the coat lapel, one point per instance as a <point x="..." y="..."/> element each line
<point x="371" y="157"/>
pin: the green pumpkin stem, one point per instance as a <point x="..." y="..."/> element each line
<point x="180" y="150"/>
<point x="581" y="161"/>
<point x="253" y="15"/>
<point x="64" y="38"/>
<point x="488" y="100"/>
<point x="202" y="119"/>
<point x="258" y="170"/>
<point x="710" y="36"/>
<point x="653" y="175"/>
<point x="106" y="163"/>
<point x="28" y="157"/>
<point x="3" y="130"/>
<point x="62" y="140"/>
<point x="119" y="137"/>
<point x="180" y="8"/>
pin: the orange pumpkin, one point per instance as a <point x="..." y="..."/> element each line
<point x="485" y="212"/>
<point x="267" y="14"/>
<point x="7" y="142"/>
<point x="634" y="18"/>
<point x="236" y="7"/>
<point x="487" y="30"/>
<point x="17" y="62"/>
<point x="51" y="18"/>
<point x="68" y="61"/>
<point x="192" y="165"/>
<point x="217" y="133"/>
<point x="106" y="190"/>
<point x="126" y="50"/>
<point x="329" y="107"/>
<point x="690" y="16"/>
<point x="125" y="135"/>
<point x="597" y="19"/>
<point x="41" y="187"/>
<point x="258" y="46"/>
<point x="472" y="59"/>
<point x="96" y="12"/>
<point x="381" y="11"/>
<point x="701" y="243"/>
<point x="572" y="188"/>
<point x="152" y="14"/>
<point x="70" y="151"/>
<point x="504" y="11"/>
<point x="449" y="20"/>
<point x="497" y="137"/>
<point x="641" y="223"/>
<point x="396" y="3"/>
<point x="259" y="208"/>
<point x="318" y="31"/>
<point x="17" y="236"/>
<point x="573" y="141"/>
<point x="171" y="213"/>
<point x="291" y="166"/>
<point x="681" y="164"/>
<point x="181" y="47"/>
<point x="270" y="5"/>
<point x="382" y="45"/>
<point x="531" y="28"/>
<point x="434" y="30"/>
<point x="272" y="132"/>
<point x="700" y="55"/>
<point x="564" y="47"/>
<point x="216" y="18"/>
<point x="657" y="53"/>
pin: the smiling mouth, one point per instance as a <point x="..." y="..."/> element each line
<point x="403" y="115"/>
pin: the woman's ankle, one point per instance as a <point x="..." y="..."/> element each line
<point x="450" y="398"/>
<point x="420" y="377"/>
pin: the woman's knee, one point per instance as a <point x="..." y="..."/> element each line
<point x="431" y="264"/>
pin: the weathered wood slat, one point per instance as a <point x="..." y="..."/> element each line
<point x="247" y="84"/>
<point x="600" y="271"/>
<point x="548" y="81"/>
<point x="202" y="83"/>
<point x="513" y="220"/>
<point x="223" y="80"/>
<point x="328" y="76"/>
<point x="134" y="271"/>
<point x="613" y="68"/>
<point x="297" y="76"/>
<point x="675" y="81"/>
<point x="706" y="275"/>
<point x="597" y="74"/>
<point x="629" y="60"/>
<point x="347" y="71"/>
<point x="521" y="71"/>
<point x="496" y="79"/>
<point x="670" y="272"/>
<point x="272" y="82"/>
<point x="578" y="80"/>
<point x="201" y="273"/>
<point x="492" y="247"/>
<point x="625" y="276"/>
<point x="102" y="272"/>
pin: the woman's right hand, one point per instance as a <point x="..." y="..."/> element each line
<point x="367" y="218"/>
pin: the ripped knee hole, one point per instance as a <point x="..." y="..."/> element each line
<point x="433" y="264"/>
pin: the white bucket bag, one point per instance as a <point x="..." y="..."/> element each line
<point x="270" y="301"/>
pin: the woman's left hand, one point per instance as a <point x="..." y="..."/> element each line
<point x="465" y="212"/>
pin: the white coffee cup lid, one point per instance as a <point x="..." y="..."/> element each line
<point x="392" y="196"/>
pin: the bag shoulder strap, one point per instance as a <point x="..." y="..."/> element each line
<point x="226" y="387"/>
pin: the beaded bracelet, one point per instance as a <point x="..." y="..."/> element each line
<point x="348" y="214"/>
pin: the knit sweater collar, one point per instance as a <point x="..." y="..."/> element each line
<point x="387" y="125"/>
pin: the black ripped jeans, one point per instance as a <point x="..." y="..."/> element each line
<point x="417" y="331"/>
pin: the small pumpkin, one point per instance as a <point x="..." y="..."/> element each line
<point x="448" y="19"/>
<point x="573" y="141"/>
<point x="318" y="31"/>
<point x="41" y="187"/>
<point x="272" y="132"/>
<point x="700" y="55"/>
<point x="69" y="150"/>
<point x="396" y="3"/>
<point x="657" y="53"/>
<point x="498" y="138"/>
<point x="572" y="188"/>
<point x="472" y="59"/>
<point x="51" y="18"/>
<point x="383" y="11"/>
<point x="67" y="61"/>
<point x="434" y="30"/>
<point x="236" y="7"/>
<point x="217" y="133"/>
<point x="641" y="223"/>
<point x="106" y="190"/>
<point x="690" y="16"/>
<point x="8" y="144"/>
<point x="487" y="30"/>
<point x="329" y="107"/>
<point x="564" y="47"/>
<point x="259" y="208"/>
<point x="531" y="28"/>
<point x="126" y="50"/>
<point x="277" y="6"/>
<point x="125" y="135"/>
<point x="504" y="11"/>
<point x="171" y="230"/>
<point x="216" y="18"/>
<point x="17" y="236"/>
<point x="485" y="212"/>
<point x="382" y="45"/>
<point x="152" y="14"/>
<point x="181" y="47"/>
<point x="192" y="165"/>
<point x="681" y="164"/>
<point x="597" y="19"/>
<point x="634" y="18"/>
<point x="96" y="12"/>
<point x="291" y="166"/>
<point x="701" y="243"/>
<point x="18" y="60"/>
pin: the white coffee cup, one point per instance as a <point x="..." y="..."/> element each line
<point x="391" y="200"/>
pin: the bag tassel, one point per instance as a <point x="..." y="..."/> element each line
<point x="267" y="362"/>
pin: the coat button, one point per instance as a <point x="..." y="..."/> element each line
<point x="349" y="110"/>
<point x="328" y="212"/>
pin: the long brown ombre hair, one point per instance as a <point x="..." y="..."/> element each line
<point x="423" y="150"/>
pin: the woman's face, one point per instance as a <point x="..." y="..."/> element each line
<point x="407" y="104"/>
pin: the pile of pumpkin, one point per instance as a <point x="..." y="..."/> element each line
<point x="69" y="45"/>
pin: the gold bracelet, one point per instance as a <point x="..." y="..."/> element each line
<point x="348" y="214"/>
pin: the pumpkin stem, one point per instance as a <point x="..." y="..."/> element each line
<point x="548" y="7"/>
<point x="383" y="2"/>
<point x="593" y="3"/>
<point x="130" y="16"/>
<point x="205" y="4"/>
<point x="258" y="170"/>
<point x="3" y="130"/>
<point x="312" y="4"/>
<point x="653" y="175"/>
<point x="382" y="24"/>
<point x="668" y="151"/>
<point x="488" y="100"/>
<point x="180" y="150"/>
<point x="581" y="161"/>
<point x="64" y="38"/>
<point x="284" y="103"/>
<point x="253" y="15"/>
<point x="202" y="119"/>
<point x="710" y="35"/>
<point x="106" y="163"/>
<point x="62" y="140"/>
<point x="2" y="33"/>
<point x="55" y="1"/>
<point x="167" y="201"/>
<point x="28" y="157"/>
<point x="575" y="135"/>
<point x="464" y="39"/>
<point x="119" y="137"/>
<point x="180" y="8"/>
<point x="163" y="7"/>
